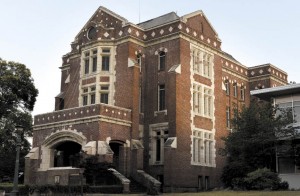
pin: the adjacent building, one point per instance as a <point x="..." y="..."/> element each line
<point x="155" y="97"/>
<point x="286" y="97"/>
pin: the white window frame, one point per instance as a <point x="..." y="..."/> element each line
<point x="228" y="117"/>
<point x="235" y="90"/>
<point x="159" y="91"/>
<point x="104" y="91"/>
<point x="139" y="60"/>
<point x="88" y="91"/>
<point x="89" y="55"/>
<point x="227" y="86"/>
<point x="203" y="101"/>
<point x="163" y="130"/>
<point x="203" y="148"/>
<point x="202" y="63"/>
<point x="242" y="93"/>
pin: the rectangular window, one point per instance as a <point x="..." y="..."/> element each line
<point x="95" y="64"/>
<point x="162" y="61"/>
<point x="202" y="63"/>
<point x="105" y="63"/>
<point x="200" y="183"/>
<point x="202" y="100"/>
<point x="161" y="97"/>
<point x="140" y="101"/>
<point x="106" y="50"/>
<point x="93" y="98"/>
<point x="203" y="145"/>
<point x="207" y="102"/>
<point x="86" y="66"/>
<point x="242" y="93"/>
<point x="158" y="146"/>
<point x="84" y="100"/>
<point x="160" y="137"/>
<point x="227" y="86"/>
<point x="197" y="98"/>
<point x="104" y="98"/>
<point x="228" y="117"/>
<point x="206" y="65"/>
<point x="235" y="90"/>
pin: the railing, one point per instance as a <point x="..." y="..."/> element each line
<point x="84" y="112"/>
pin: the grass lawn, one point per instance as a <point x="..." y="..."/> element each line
<point x="239" y="193"/>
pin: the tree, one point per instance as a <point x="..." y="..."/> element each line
<point x="17" y="98"/>
<point x="252" y="143"/>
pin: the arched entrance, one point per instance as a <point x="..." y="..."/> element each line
<point x="67" y="154"/>
<point x="116" y="148"/>
<point x="60" y="148"/>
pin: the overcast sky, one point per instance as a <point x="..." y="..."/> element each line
<point x="38" y="33"/>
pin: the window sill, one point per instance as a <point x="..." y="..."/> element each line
<point x="197" y="73"/>
<point x="203" y="164"/>
<point x="165" y="112"/>
<point x="158" y="163"/>
<point x="204" y="116"/>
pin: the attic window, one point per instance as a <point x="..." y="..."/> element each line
<point x="92" y="33"/>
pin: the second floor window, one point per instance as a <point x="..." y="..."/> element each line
<point x="228" y="117"/>
<point x="202" y="100"/>
<point x="162" y="61"/>
<point x="161" y="97"/>
<point x="105" y="63"/>
<point x="104" y="92"/>
<point x="227" y="86"/>
<point x="235" y="90"/>
<point x="242" y="93"/>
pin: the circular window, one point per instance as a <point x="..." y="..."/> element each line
<point x="92" y="33"/>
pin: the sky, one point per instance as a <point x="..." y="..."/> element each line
<point x="38" y="33"/>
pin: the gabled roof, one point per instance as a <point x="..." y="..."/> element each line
<point x="230" y="57"/>
<point x="167" y="18"/>
<point x="200" y="12"/>
<point x="101" y="8"/>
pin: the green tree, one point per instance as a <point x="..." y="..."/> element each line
<point x="17" y="98"/>
<point x="252" y="143"/>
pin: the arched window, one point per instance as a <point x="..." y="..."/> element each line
<point x="235" y="89"/>
<point x="139" y="60"/>
<point x="227" y="86"/>
<point x="162" y="61"/>
<point x="243" y="93"/>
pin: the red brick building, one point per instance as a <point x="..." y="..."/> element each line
<point x="154" y="97"/>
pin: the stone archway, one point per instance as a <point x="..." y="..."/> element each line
<point x="116" y="147"/>
<point x="54" y="141"/>
<point x="67" y="154"/>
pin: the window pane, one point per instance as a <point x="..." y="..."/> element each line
<point x="105" y="63"/>
<point x="86" y="66"/>
<point x="162" y="59"/>
<point x="93" y="98"/>
<point x="85" y="99"/>
<point x="104" y="98"/>
<point x="162" y="97"/>
<point x="106" y="50"/>
<point x="94" y="64"/>
<point x="158" y="146"/>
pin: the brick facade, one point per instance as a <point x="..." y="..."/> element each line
<point x="137" y="87"/>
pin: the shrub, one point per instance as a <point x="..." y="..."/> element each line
<point x="262" y="179"/>
<point x="233" y="174"/>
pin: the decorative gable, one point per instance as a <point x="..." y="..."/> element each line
<point x="104" y="24"/>
<point x="198" y="21"/>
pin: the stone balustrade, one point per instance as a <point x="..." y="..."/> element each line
<point x="101" y="110"/>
